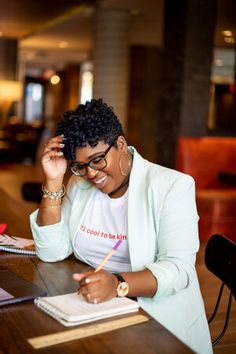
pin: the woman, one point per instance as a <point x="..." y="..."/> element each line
<point x="114" y="194"/>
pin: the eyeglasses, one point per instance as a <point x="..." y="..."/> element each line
<point x="97" y="163"/>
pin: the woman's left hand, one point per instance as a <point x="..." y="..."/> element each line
<point x="97" y="286"/>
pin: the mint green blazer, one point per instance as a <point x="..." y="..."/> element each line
<point x="162" y="236"/>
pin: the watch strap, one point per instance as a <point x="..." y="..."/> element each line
<point x="122" y="287"/>
<point x="119" y="277"/>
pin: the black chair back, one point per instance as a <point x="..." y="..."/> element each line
<point x="220" y="259"/>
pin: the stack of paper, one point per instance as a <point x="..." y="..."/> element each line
<point x="72" y="309"/>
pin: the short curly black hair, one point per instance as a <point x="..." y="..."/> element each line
<point x="88" y="124"/>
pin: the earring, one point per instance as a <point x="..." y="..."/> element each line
<point x="124" y="173"/>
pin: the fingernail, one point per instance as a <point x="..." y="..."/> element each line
<point x="87" y="280"/>
<point x="60" y="153"/>
<point x="62" y="145"/>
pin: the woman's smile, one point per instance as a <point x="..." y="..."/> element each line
<point x="100" y="182"/>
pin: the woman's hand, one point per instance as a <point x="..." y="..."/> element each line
<point x="97" y="286"/>
<point x="53" y="162"/>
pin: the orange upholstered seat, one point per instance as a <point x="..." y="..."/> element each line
<point x="211" y="161"/>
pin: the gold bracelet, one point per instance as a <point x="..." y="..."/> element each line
<point x="53" y="195"/>
<point x="50" y="206"/>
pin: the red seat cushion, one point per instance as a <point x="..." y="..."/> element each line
<point x="207" y="160"/>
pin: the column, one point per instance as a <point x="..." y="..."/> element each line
<point x="111" y="60"/>
<point x="8" y="73"/>
<point x="187" y="58"/>
<point x="8" y="59"/>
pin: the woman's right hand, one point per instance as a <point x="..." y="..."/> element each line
<point x="53" y="162"/>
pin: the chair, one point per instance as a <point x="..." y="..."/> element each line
<point x="211" y="161"/>
<point x="220" y="259"/>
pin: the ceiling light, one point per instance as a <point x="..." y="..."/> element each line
<point x="229" y="40"/>
<point x="55" y="79"/>
<point x="227" y="33"/>
<point x="47" y="74"/>
<point x="63" y="44"/>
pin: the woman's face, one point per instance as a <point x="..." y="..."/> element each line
<point x="109" y="180"/>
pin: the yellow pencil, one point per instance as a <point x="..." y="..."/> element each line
<point x="99" y="267"/>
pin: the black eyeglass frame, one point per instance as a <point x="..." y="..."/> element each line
<point x="85" y="165"/>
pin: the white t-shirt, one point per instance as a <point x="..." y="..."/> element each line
<point x="104" y="224"/>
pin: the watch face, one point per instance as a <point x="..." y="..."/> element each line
<point x="122" y="289"/>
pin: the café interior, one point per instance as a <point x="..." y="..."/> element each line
<point x="168" y="70"/>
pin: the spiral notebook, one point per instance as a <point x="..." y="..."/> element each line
<point x="72" y="309"/>
<point x="18" y="245"/>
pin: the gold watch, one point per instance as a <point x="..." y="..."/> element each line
<point x="122" y="287"/>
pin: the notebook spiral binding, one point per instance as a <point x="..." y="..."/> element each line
<point x="56" y="314"/>
<point x="18" y="250"/>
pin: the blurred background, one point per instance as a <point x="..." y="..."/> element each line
<point x="167" y="67"/>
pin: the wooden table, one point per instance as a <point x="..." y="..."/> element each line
<point x="23" y="321"/>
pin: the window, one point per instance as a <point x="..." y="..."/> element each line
<point x="34" y="94"/>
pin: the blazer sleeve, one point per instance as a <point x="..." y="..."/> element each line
<point x="177" y="239"/>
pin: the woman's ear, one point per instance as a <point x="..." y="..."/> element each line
<point x="122" y="144"/>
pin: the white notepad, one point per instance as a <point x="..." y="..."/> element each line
<point x="15" y="244"/>
<point x="72" y="309"/>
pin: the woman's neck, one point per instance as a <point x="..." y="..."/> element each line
<point x="119" y="192"/>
